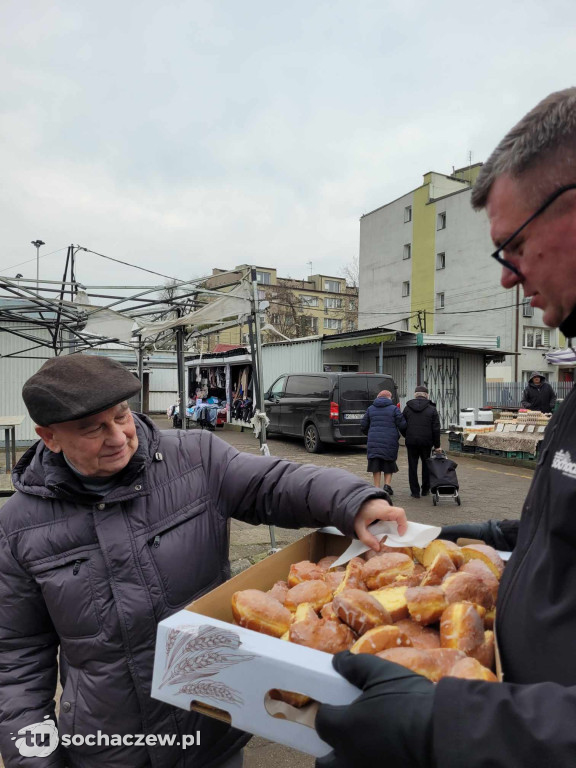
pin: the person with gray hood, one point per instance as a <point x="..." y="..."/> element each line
<point x="114" y="526"/>
<point x="538" y="395"/>
<point x="422" y="434"/>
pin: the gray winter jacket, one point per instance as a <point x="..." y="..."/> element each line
<point x="91" y="577"/>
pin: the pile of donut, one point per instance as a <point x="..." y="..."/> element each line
<point x="430" y="609"/>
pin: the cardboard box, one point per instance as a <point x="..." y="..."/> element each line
<point x="204" y="662"/>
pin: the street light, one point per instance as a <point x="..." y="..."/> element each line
<point x="37" y="244"/>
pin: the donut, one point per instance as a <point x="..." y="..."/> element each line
<point x="426" y="604"/>
<point x="463" y="587"/>
<point x="394" y="600"/>
<point x="461" y="627"/>
<point x="279" y="591"/>
<point x="426" y="556"/>
<point x="440" y="567"/>
<point x="487" y="554"/>
<point x="434" y="663"/>
<point x="470" y="669"/>
<point x="419" y="636"/>
<point x="259" y="611"/>
<point x="316" y="592"/>
<point x="359" y="610"/>
<point x="382" y="570"/>
<point x="304" y="571"/>
<point x="353" y="576"/>
<point x="323" y="634"/>
<point x="380" y="639"/>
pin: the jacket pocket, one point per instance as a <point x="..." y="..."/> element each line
<point x="68" y="590"/>
<point x="186" y="554"/>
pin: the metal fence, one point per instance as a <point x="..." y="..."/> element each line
<point x="508" y="394"/>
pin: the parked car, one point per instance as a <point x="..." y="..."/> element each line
<point x="324" y="407"/>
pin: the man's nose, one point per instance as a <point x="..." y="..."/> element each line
<point x="116" y="435"/>
<point x="509" y="279"/>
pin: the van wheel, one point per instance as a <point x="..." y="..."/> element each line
<point x="312" y="439"/>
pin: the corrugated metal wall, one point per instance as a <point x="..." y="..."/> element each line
<point x="14" y="371"/>
<point x="472" y="380"/>
<point x="163" y="388"/>
<point x="300" y="357"/>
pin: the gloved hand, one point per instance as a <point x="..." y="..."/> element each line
<point x="389" y="725"/>
<point x="467" y="531"/>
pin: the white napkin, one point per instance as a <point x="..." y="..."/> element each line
<point x="417" y="535"/>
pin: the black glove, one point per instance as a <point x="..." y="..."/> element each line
<point x="390" y="724"/>
<point x="500" y="534"/>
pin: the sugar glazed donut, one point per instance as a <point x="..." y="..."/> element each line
<point x="430" y="609"/>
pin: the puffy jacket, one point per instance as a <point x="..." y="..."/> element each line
<point x="539" y="397"/>
<point x="91" y="577"/>
<point x="381" y="423"/>
<point x="422" y="423"/>
<point x="527" y="721"/>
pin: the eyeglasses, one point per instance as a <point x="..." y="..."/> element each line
<point x="498" y="252"/>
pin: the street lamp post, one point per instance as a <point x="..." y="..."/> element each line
<point x="37" y="244"/>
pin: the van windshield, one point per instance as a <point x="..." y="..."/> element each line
<point x="358" y="392"/>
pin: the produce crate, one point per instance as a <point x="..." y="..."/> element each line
<point x="455" y="445"/>
<point x="514" y="454"/>
<point x="529" y="456"/>
<point x="468" y="448"/>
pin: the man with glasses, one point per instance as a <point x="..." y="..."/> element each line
<point x="528" y="188"/>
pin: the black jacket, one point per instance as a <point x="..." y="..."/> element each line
<point x="423" y="423"/>
<point x="527" y="721"/>
<point x="539" y="397"/>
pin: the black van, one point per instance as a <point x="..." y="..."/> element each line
<point x="324" y="407"/>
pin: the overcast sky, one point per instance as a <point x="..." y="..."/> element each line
<point x="183" y="136"/>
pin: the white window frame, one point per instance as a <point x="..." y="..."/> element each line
<point x="407" y="214"/>
<point x="532" y="334"/>
<point x="312" y="321"/>
<point x="332" y="324"/>
<point x="336" y="286"/>
<point x="441" y="220"/>
<point x="332" y="303"/>
<point x="527" y="310"/>
<point x="407" y="252"/>
<point x="441" y="260"/>
<point x="405" y="289"/>
<point x="265" y="278"/>
<point x="440" y="300"/>
<point x="309" y="301"/>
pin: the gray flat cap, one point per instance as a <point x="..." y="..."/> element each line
<point x="74" y="386"/>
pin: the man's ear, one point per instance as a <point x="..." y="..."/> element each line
<point x="47" y="435"/>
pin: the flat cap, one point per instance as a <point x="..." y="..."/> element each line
<point x="74" y="386"/>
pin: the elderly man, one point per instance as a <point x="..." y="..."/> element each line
<point x="114" y="526"/>
<point x="528" y="187"/>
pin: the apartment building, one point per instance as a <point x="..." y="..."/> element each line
<point x="319" y="305"/>
<point x="425" y="266"/>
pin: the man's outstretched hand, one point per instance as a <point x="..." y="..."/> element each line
<point x="377" y="509"/>
<point x="389" y="725"/>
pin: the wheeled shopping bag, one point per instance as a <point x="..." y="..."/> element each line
<point x="443" y="479"/>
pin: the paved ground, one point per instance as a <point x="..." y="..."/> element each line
<point x="488" y="491"/>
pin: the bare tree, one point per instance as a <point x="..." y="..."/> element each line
<point x="351" y="272"/>
<point x="286" y="313"/>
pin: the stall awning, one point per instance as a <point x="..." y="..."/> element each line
<point x="360" y="341"/>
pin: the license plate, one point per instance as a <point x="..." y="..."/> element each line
<point x="353" y="416"/>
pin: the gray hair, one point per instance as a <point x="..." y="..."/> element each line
<point x="544" y="141"/>
<point x="422" y="394"/>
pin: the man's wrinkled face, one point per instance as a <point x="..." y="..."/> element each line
<point x="544" y="252"/>
<point x="97" y="446"/>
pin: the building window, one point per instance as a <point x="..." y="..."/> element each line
<point x="309" y="325"/>
<point x="351" y="325"/>
<point x="407" y="251"/>
<point x="439" y="301"/>
<point x="527" y="310"/>
<point x="406" y="288"/>
<point x="441" y="221"/>
<point x="332" y="324"/>
<point x="407" y="214"/>
<point x="332" y="285"/>
<point x="333" y="303"/>
<point x="440" y="261"/>
<point x="405" y="324"/>
<point x="309" y="301"/>
<point x="353" y="305"/>
<point x="536" y="338"/>
<point x="263" y="277"/>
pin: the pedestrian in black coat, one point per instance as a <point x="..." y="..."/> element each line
<point x="538" y="395"/>
<point x="422" y="434"/>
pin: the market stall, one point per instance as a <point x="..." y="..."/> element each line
<point x="511" y="435"/>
